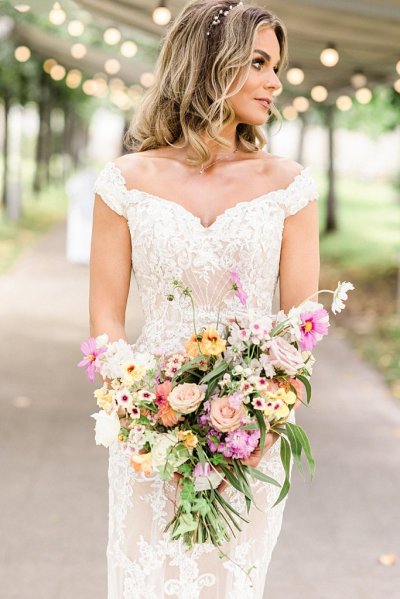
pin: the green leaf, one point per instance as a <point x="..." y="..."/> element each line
<point x="295" y="445"/>
<point x="186" y="523"/>
<point x="306" y="384"/>
<point x="188" y="366"/>
<point x="222" y="366"/>
<point x="285" y="457"/>
<point x="261" y="476"/>
<point x="303" y="439"/>
<point x="261" y="423"/>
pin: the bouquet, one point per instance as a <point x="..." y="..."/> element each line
<point x="200" y="412"/>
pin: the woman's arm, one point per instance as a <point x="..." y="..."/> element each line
<point x="110" y="272"/>
<point x="300" y="261"/>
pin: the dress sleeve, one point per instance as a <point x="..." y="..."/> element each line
<point x="300" y="192"/>
<point x="110" y="185"/>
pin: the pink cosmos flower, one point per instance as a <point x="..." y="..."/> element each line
<point x="237" y="286"/>
<point x="314" y="326"/>
<point x="91" y="354"/>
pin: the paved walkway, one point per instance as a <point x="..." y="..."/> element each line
<point x="53" y="500"/>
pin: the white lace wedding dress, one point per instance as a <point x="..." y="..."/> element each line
<point x="170" y="242"/>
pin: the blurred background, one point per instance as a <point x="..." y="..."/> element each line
<point x="71" y="77"/>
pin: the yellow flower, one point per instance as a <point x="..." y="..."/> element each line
<point x="275" y="407"/>
<point x="211" y="343"/>
<point x="104" y="399"/>
<point x="189" y="439"/>
<point x="132" y="373"/>
<point x="192" y="346"/>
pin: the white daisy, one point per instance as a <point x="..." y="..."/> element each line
<point x="339" y="295"/>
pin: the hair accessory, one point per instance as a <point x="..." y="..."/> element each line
<point x="217" y="18"/>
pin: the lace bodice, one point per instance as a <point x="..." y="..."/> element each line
<point x="169" y="242"/>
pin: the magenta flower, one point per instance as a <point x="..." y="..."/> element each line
<point x="91" y="353"/>
<point x="314" y="326"/>
<point x="237" y="286"/>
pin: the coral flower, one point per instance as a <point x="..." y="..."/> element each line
<point x="92" y="352"/>
<point x="165" y="412"/>
<point x="211" y="343"/>
<point x="314" y="326"/>
<point x="142" y="463"/>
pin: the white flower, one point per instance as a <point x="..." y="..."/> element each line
<point x="101" y="340"/>
<point x="266" y="364"/>
<point x="124" y="398"/>
<point x="160" y="451"/>
<point x="107" y="427"/>
<point x="118" y="353"/>
<point x="339" y="295"/>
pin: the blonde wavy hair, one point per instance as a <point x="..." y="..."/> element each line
<point x="193" y="74"/>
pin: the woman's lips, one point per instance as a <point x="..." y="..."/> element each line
<point x="265" y="103"/>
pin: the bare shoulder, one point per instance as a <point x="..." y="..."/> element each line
<point x="131" y="167"/>
<point x="282" y="170"/>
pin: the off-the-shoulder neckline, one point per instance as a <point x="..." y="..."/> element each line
<point x="268" y="195"/>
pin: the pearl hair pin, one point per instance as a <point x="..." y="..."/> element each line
<point x="217" y="18"/>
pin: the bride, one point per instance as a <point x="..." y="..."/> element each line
<point x="197" y="196"/>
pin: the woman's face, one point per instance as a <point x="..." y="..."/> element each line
<point x="261" y="82"/>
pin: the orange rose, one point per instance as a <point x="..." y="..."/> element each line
<point x="211" y="343"/>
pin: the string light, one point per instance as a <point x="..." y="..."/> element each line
<point x="112" y="36"/>
<point x="57" y="72"/>
<point x="112" y="66"/>
<point x="161" y="14"/>
<point x="22" y="53"/>
<point x="57" y="16"/>
<point x="358" y="79"/>
<point x="344" y="103"/>
<point x="319" y="93"/>
<point x="48" y="64"/>
<point x="329" y="56"/>
<point x="363" y="95"/>
<point x="76" y="28"/>
<point x="129" y="49"/>
<point x="295" y="75"/>
<point x="73" y="79"/>
<point x="301" y="103"/>
<point x="396" y="86"/>
<point x="290" y="113"/>
<point x="78" y="51"/>
<point x="147" y="79"/>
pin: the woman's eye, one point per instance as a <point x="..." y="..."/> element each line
<point x="258" y="61"/>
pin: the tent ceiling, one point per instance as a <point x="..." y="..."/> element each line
<point x="365" y="32"/>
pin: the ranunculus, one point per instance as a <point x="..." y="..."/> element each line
<point x="211" y="343"/>
<point x="284" y="355"/>
<point x="223" y="416"/>
<point x="107" y="427"/>
<point x="187" y="397"/>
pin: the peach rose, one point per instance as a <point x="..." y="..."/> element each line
<point x="223" y="416"/>
<point x="187" y="397"/>
<point x="283" y="355"/>
<point x="211" y="343"/>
